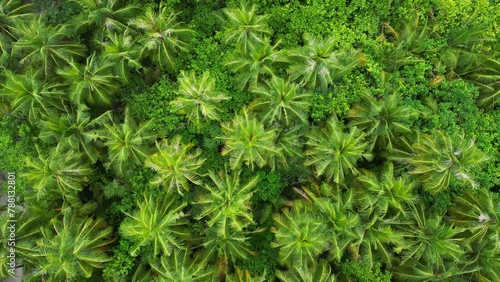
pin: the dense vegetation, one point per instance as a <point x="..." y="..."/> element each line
<point x="276" y="140"/>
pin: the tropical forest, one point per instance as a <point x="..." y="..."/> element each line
<point x="250" y="140"/>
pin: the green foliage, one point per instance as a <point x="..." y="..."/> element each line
<point x="364" y="273"/>
<point x="270" y="186"/>
<point x="57" y="11"/>
<point x="322" y="140"/>
<point x="121" y="263"/>
<point x="16" y="144"/>
<point x="152" y="104"/>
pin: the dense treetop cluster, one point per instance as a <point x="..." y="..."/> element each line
<point x="276" y="140"/>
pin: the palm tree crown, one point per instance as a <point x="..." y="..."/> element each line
<point x="278" y="100"/>
<point x="246" y="27"/>
<point x="246" y="141"/>
<point x="157" y="223"/>
<point x="317" y="65"/>
<point x="198" y="98"/>
<point x="162" y="36"/>
<point x="175" y="165"/>
<point x="334" y="153"/>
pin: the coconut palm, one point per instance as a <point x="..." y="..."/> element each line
<point x="409" y="41"/>
<point x="381" y="119"/>
<point x="317" y="65"/>
<point x="430" y="239"/>
<point x="231" y="248"/>
<point x="482" y="71"/>
<point x="60" y="172"/>
<point x="301" y="236"/>
<point x="198" y="98"/>
<point x="255" y="66"/>
<point x="337" y="210"/>
<point x="334" y="153"/>
<point x="436" y="159"/>
<point x="248" y="142"/>
<point x="126" y="142"/>
<point x="477" y="212"/>
<point x="226" y="207"/>
<point x="318" y="271"/>
<point x="280" y="101"/>
<point x="428" y="272"/>
<point x="175" y="164"/>
<point x="246" y="27"/>
<point x="75" y="128"/>
<point x="104" y="15"/>
<point x="31" y="97"/>
<point x="180" y="267"/>
<point x="45" y="47"/>
<point x="27" y="230"/>
<point x="11" y="11"/>
<point x="162" y="37"/>
<point x="123" y="51"/>
<point x="157" y="223"/>
<point x="73" y="248"/>
<point x="93" y="83"/>
<point x="391" y="193"/>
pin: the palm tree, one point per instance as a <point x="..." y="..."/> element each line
<point x="198" y="98"/>
<point x="92" y="83"/>
<point x="391" y="193"/>
<point x="59" y="172"/>
<point x="334" y="153"/>
<point x="176" y="167"/>
<point x="227" y="205"/>
<point x="27" y="225"/>
<point x="125" y="142"/>
<point x="428" y="272"/>
<point x="375" y="235"/>
<point x="278" y="100"/>
<point x="255" y="66"/>
<point x="31" y="97"/>
<point x="318" y="272"/>
<point x="436" y="159"/>
<point x="246" y="27"/>
<point x="478" y="213"/>
<point x="430" y="240"/>
<point x="317" y="65"/>
<point x="75" y="129"/>
<point x="410" y="41"/>
<point x="337" y="210"/>
<point x="383" y="120"/>
<point x="226" y="248"/>
<point x="157" y="223"/>
<point x="104" y="15"/>
<point x="163" y="38"/>
<point x="301" y="236"/>
<point x="123" y="52"/>
<point x="180" y="267"/>
<point x="246" y="141"/>
<point x="11" y="11"/>
<point x="72" y="248"/>
<point x="45" y="47"/>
